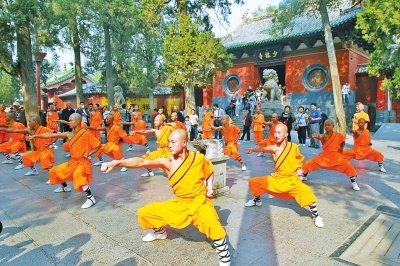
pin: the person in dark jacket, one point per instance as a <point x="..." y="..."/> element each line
<point x="65" y="116"/>
<point x="324" y="117"/>
<point x="246" y="125"/>
<point x="287" y="118"/>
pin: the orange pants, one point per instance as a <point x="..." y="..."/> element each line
<point x="207" y="134"/>
<point x="258" y="136"/>
<point x="77" y="171"/>
<point x="45" y="157"/>
<point x="292" y="189"/>
<point x="343" y="166"/>
<point x="372" y="155"/>
<point x="112" y="150"/>
<point x="3" y="137"/>
<point x="13" y="146"/>
<point x="158" y="214"/>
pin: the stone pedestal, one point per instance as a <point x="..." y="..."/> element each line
<point x="213" y="149"/>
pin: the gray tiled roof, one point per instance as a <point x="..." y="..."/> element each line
<point x="255" y="31"/>
<point x="88" y="89"/>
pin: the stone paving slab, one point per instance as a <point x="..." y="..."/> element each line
<point x="46" y="228"/>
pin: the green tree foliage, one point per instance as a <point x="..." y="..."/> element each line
<point x="270" y="9"/>
<point x="290" y="9"/>
<point x="380" y="25"/>
<point x="10" y="89"/>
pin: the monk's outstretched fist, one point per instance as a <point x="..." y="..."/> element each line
<point x="107" y="167"/>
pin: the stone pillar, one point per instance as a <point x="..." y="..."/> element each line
<point x="213" y="150"/>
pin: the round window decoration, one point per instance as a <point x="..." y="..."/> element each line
<point x="315" y="77"/>
<point x="232" y="84"/>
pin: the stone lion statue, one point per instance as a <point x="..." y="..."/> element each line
<point x="118" y="96"/>
<point x="271" y="84"/>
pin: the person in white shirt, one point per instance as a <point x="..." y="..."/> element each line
<point x="346" y="93"/>
<point x="218" y="113"/>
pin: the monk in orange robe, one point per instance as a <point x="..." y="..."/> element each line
<point x="258" y="125"/>
<point x="138" y="139"/>
<point x="331" y="158"/>
<point x="3" y="114"/>
<point x="51" y="116"/>
<point x="16" y="141"/>
<point x="360" y="114"/>
<point x="117" y="115"/>
<point x="43" y="152"/>
<point x="190" y="176"/>
<point x="362" y="146"/>
<point x="207" y="123"/>
<point x="270" y="140"/>
<point x="285" y="182"/>
<point x="96" y="121"/>
<point x="139" y="114"/>
<point x="81" y="144"/>
<point x="231" y="135"/>
<point x="175" y="123"/>
<point x="161" y="113"/>
<point x="115" y="138"/>
<point x="161" y="132"/>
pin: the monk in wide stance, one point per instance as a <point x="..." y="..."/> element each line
<point x="81" y="144"/>
<point x="231" y="135"/>
<point x="331" y="158"/>
<point x="270" y="140"/>
<point x="15" y="142"/>
<point x="285" y="182"/>
<point x="43" y="153"/>
<point x="137" y="124"/>
<point x="161" y="132"/>
<point x="190" y="177"/>
<point x="115" y="137"/>
<point x="362" y="146"/>
<point x="96" y="120"/>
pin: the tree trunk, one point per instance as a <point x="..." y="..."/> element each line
<point x="330" y="48"/>
<point x="109" y="77"/>
<point x="77" y="60"/>
<point x="25" y="70"/>
<point x="151" y="97"/>
<point x="189" y="97"/>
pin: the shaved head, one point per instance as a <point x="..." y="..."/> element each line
<point x="282" y="127"/>
<point x="34" y="118"/>
<point x="180" y="134"/>
<point x="110" y="117"/>
<point x="274" y="115"/>
<point x="329" y="121"/>
<point x="76" y="116"/>
<point x="10" y="116"/>
<point x="361" y="120"/>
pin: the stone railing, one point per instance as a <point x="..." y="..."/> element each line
<point x="213" y="149"/>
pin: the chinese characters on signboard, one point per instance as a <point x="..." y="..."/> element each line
<point x="269" y="54"/>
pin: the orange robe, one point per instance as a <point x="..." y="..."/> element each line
<point x="115" y="134"/>
<point x="358" y="116"/>
<point x="207" y="133"/>
<point x="139" y="139"/>
<point x="330" y="158"/>
<point x="362" y="149"/>
<point x="50" y="124"/>
<point x="285" y="183"/>
<point x="191" y="206"/>
<point x="179" y="124"/>
<point x="162" y="150"/>
<point x="258" y="128"/>
<point x="96" y="121"/>
<point x="43" y="153"/>
<point x="79" y="168"/>
<point x="270" y="140"/>
<point x="231" y="135"/>
<point x="3" y="135"/>
<point x="117" y="118"/>
<point x="18" y="140"/>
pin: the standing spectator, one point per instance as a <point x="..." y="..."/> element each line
<point x="237" y="105"/>
<point x="307" y="111"/>
<point x="346" y="93"/>
<point x="188" y="126"/>
<point x="287" y="118"/>
<point x="228" y="110"/>
<point x="258" y="125"/>
<point x="283" y="97"/>
<point x="194" y="120"/>
<point x="19" y="113"/>
<point x="65" y="114"/>
<point x="106" y="112"/>
<point x="233" y="103"/>
<point x="246" y="126"/>
<point x="301" y="122"/>
<point x="84" y="112"/>
<point x="324" y="117"/>
<point x="218" y="113"/>
<point x="126" y="117"/>
<point x="314" y="120"/>
<point x="244" y="101"/>
<point x="155" y="113"/>
<point x="252" y="106"/>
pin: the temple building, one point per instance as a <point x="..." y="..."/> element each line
<point x="300" y="59"/>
